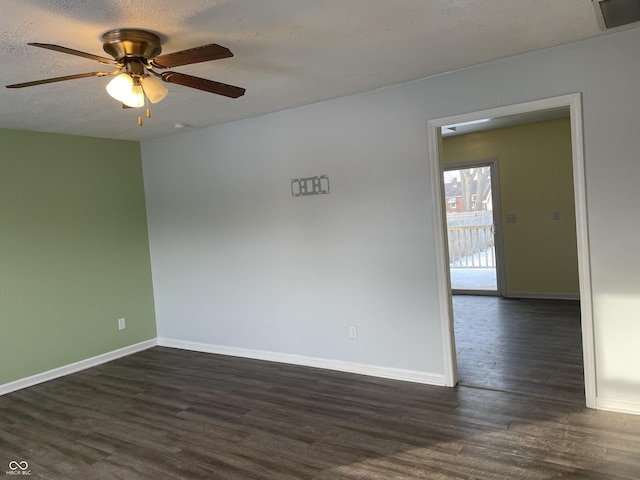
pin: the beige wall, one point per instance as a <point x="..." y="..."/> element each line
<point x="536" y="179"/>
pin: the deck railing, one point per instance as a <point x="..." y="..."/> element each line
<point x="472" y="247"/>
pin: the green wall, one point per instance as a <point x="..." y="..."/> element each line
<point x="74" y="250"/>
<point x="536" y="179"/>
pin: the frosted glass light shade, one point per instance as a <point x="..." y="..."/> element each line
<point x="120" y="86"/>
<point x="135" y="97"/>
<point x="154" y="89"/>
<point x="124" y="89"/>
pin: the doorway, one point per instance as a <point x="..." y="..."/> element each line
<point x="573" y="103"/>
<point x="472" y="203"/>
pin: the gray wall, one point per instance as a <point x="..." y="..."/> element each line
<point x="241" y="267"/>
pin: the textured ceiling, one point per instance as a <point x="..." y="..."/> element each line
<point x="287" y="52"/>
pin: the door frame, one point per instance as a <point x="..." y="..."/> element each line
<point x="494" y="165"/>
<point x="434" y="127"/>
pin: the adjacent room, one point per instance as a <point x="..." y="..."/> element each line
<point x="225" y="243"/>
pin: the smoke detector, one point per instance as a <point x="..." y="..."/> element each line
<point x="616" y="13"/>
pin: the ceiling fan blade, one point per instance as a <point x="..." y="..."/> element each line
<point x="203" y="84"/>
<point x="58" y="79"/>
<point x="71" y="51"/>
<point x="204" y="53"/>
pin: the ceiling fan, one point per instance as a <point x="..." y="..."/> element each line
<point x="136" y="56"/>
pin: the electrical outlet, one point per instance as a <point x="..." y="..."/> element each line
<point x="556" y="215"/>
<point x="122" y="323"/>
<point x="353" y="333"/>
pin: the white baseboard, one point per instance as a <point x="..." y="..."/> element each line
<point x="618" y="406"/>
<point x="75" y="367"/>
<point x="339" y="365"/>
<point x="543" y="295"/>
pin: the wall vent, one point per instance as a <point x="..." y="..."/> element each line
<point x="616" y="13"/>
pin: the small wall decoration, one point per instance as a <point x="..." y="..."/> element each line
<point x="301" y="187"/>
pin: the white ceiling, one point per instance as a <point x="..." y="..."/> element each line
<point x="287" y="52"/>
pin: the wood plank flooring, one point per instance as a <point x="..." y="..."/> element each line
<point x="526" y="346"/>
<point x="173" y="414"/>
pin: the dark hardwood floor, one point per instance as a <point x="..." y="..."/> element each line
<point x="526" y="346"/>
<point x="171" y="414"/>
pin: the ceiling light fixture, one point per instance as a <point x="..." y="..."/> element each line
<point x="471" y="122"/>
<point x="133" y="87"/>
<point x="132" y="90"/>
<point x="136" y="54"/>
<point x="448" y="129"/>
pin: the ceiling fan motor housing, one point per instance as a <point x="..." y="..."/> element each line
<point x="131" y="43"/>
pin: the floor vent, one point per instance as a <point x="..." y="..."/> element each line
<point x="616" y="13"/>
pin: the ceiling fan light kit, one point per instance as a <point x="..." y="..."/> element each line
<point x="154" y="89"/>
<point x="135" y="55"/>
<point x="123" y="89"/>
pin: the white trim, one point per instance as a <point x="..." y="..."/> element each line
<point x="573" y="101"/>
<point x="619" y="406"/>
<point x="584" y="257"/>
<point x="75" y="367"/>
<point x="442" y="256"/>
<point x="327" y="364"/>
<point x="544" y="295"/>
